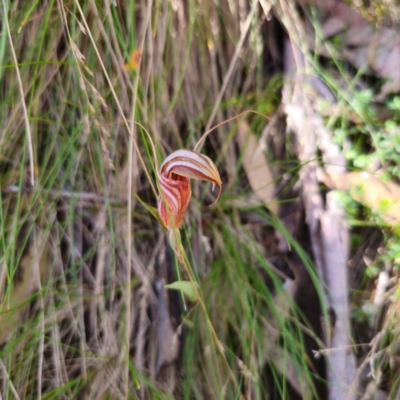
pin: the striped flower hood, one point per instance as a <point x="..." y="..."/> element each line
<point x="174" y="177"/>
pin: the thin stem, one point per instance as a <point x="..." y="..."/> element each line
<point x="235" y="57"/>
<point x="12" y="387"/>
<point x="115" y="96"/>
<point x="179" y="252"/>
<point x="129" y="224"/>
<point x="204" y="136"/>
<point x="21" y="89"/>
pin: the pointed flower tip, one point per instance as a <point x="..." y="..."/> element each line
<point x="174" y="177"/>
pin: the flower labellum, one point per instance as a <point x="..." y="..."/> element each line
<point x="174" y="176"/>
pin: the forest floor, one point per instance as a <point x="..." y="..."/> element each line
<point x="287" y="287"/>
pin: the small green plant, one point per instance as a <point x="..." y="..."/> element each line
<point x="374" y="147"/>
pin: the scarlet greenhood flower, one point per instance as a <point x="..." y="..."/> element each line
<point x="174" y="176"/>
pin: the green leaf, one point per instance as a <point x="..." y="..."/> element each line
<point x="185" y="287"/>
<point x="152" y="210"/>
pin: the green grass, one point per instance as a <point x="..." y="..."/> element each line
<point x="80" y="312"/>
<point x="70" y="341"/>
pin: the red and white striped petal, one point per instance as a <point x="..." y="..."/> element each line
<point x="174" y="176"/>
<point x="174" y="200"/>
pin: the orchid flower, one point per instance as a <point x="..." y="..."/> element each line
<point x="174" y="177"/>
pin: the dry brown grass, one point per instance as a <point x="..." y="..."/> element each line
<point x="83" y="308"/>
